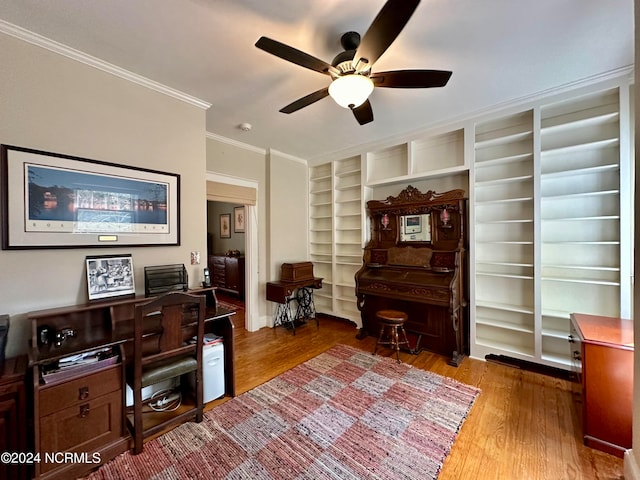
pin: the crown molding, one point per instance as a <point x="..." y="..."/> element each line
<point x="611" y="76"/>
<point x="56" y="47"/>
<point x="235" y="143"/>
<point x="231" y="180"/>
<point x="277" y="153"/>
<point x="251" y="148"/>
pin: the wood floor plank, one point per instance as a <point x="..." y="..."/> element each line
<point x="523" y="425"/>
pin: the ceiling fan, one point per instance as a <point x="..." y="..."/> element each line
<point x="350" y="71"/>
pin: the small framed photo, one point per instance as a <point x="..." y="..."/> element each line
<point x="225" y="225"/>
<point x="413" y="225"/>
<point x="238" y="219"/>
<point x="110" y="276"/>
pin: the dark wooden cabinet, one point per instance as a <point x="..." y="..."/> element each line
<point x="13" y="416"/>
<point x="602" y="352"/>
<point x="228" y="273"/>
<point x="83" y="415"/>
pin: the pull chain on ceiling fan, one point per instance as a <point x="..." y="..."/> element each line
<point x="352" y="79"/>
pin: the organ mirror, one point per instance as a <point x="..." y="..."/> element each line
<point x="415" y="228"/>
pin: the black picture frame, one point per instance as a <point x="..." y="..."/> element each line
<point x="52" y="200"/>
<point x="110" y="276"/>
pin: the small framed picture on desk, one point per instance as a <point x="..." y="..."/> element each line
<point x="110" y="276"/>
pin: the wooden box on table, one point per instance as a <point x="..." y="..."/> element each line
<point x="296" y="272"/>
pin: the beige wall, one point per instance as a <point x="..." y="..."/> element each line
<point x="281" y="207"/>
<point x="288" y="224"/>
<point x="232" y="160"/>
<point x="52" y="103"/>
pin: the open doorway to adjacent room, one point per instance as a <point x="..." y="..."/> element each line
<point x="226" y="249"/>
<point x="232" y="242"/>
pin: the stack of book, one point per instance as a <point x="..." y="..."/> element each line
<point x="209" y="339"/>
<point x="212" y="338"/>
<point x="76" y="364"/>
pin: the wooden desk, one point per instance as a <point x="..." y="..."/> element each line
<point x="85" y="413"/>
<point x="602" y="351"/>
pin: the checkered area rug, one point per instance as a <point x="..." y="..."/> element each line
<point x="344" y="414"/>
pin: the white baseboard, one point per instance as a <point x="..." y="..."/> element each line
<point x="631" y="467"/>
<point x="266" y="321"/>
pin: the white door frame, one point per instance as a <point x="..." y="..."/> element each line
<point x="252" y="316"/>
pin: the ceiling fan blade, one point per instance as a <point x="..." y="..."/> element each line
<point x="411" y="78"/>
<point x="294" y="55"/>
<point x="363" y="113"/>
<point x="306" y="101"/>
<point x="383" y="31"/>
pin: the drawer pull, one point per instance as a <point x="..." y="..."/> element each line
<point x="83" y="393"/>
<point x="84" y="410"/>
<point x="571" y="340"/>
<point x="576" y="355"/>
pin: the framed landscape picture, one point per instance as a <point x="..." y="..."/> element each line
<point x="51" y="200"/>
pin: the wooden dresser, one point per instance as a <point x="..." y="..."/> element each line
<point x="227" y="273"/>
<point x="602" y="351"/>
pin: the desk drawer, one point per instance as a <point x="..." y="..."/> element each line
<point x="80" y="390"/>
<point x="82" y="428"/>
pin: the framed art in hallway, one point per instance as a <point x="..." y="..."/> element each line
<point x="225" y="225"/>
<point x="51" y="200"/>
<point x="238" y="219"/>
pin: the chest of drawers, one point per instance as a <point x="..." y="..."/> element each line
<point x="83" y="416"/>
<point x="602" y="352"/>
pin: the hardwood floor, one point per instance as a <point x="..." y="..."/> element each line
<point x="523" y="425"/>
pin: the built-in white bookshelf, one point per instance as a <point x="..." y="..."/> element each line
<point x="579" y="214"/>
<point x="550" y="215"/>
<point x="321" y="228"/>
<point x="336" y="225"/>
<point x="504" y="234"/>
<point x="548" y="238"/>
<point x="347" y="235"/>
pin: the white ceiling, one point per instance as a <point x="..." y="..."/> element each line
<point x="499" y="51"/>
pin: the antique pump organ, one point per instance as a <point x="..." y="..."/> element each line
<point x="415" y="262"/>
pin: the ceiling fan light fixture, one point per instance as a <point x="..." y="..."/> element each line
<point x="351" y="91"/>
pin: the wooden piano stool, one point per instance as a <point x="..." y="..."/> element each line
<point x="390" y="321"/>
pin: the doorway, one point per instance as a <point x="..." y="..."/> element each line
<point x="226" y="248"/>
<point x="236" y="192"/>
